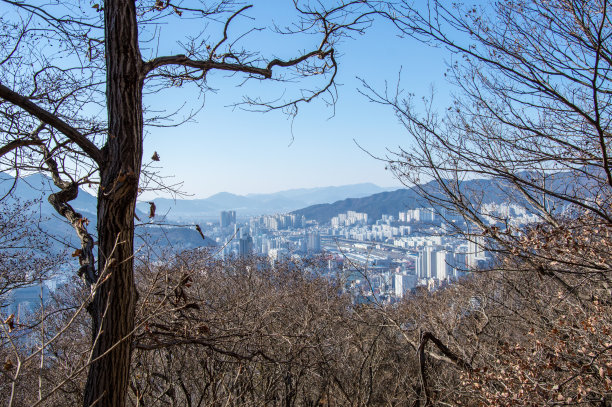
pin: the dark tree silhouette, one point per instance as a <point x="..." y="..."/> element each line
<point x="63" y="63"/>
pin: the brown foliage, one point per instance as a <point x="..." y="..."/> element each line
<point x="244" y="333"/>
<point x="240" y="332"/>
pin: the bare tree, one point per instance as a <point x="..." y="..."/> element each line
<point x="243" y="332"/>
<point x="72" y="79"/>
<point x="24" y="255"/>
<point x="531" y="112"/>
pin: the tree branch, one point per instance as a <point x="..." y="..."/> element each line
<point x="207" y="65"/>
<point x="204" y="65"/>
<point x="278" y="62"/>
<point x="52" y="120"/>
<point x="426" y="337"/>
<point x="16" y="144"/>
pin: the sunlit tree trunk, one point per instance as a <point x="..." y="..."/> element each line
<point x="115" y="298"/>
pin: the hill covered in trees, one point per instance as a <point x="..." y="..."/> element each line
<point x="392" y="202"/>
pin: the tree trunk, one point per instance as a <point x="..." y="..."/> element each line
<point x="114" y="301"/>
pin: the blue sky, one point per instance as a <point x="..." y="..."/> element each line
<point x="241" y="152"/>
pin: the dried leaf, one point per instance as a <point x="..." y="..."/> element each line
<point x="77" y="253"/>
<point x="10" y="322"/>
<point x="155" y="156"/>
<point x="8" y="365"/>
<point x="199" y="229"/>
<point x="82" y="223"/>
<point x="203" y="329"/>
<point x="151" y="209"/>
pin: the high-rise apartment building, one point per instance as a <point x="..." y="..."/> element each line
<point x="476" y="250"/>
<point x="403" y="283"/>
<point x="426" y="264"/>
<point x="245" y="246"/>
<point x="313" y="244"/>
<point x="444" y="264"/>
<point x="227" y="218"/>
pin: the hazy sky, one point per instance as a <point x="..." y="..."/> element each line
<point x="228" y="149"/>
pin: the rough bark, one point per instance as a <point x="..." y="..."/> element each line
<point x="115" y="297"/>
<point x="71" y="139"/>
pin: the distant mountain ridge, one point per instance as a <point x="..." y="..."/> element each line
<point x="374" y="205"/>
<point x="311" y="196"/>
<point x="258" y="204"/>
<point x="393" y="202"/>
<point x="37" y="187"/>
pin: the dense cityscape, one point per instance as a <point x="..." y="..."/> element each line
<point x="376" y="259"/>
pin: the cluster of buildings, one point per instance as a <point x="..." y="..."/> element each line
<point x="382" y="230"/>
<point x="444" y="262"/>
<point x="277" y="222"/>
<point x="349" y="218"/>
<point x="227" y="218"/>
<point x="378" y="259"/>
<point x="417" y="215"/>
